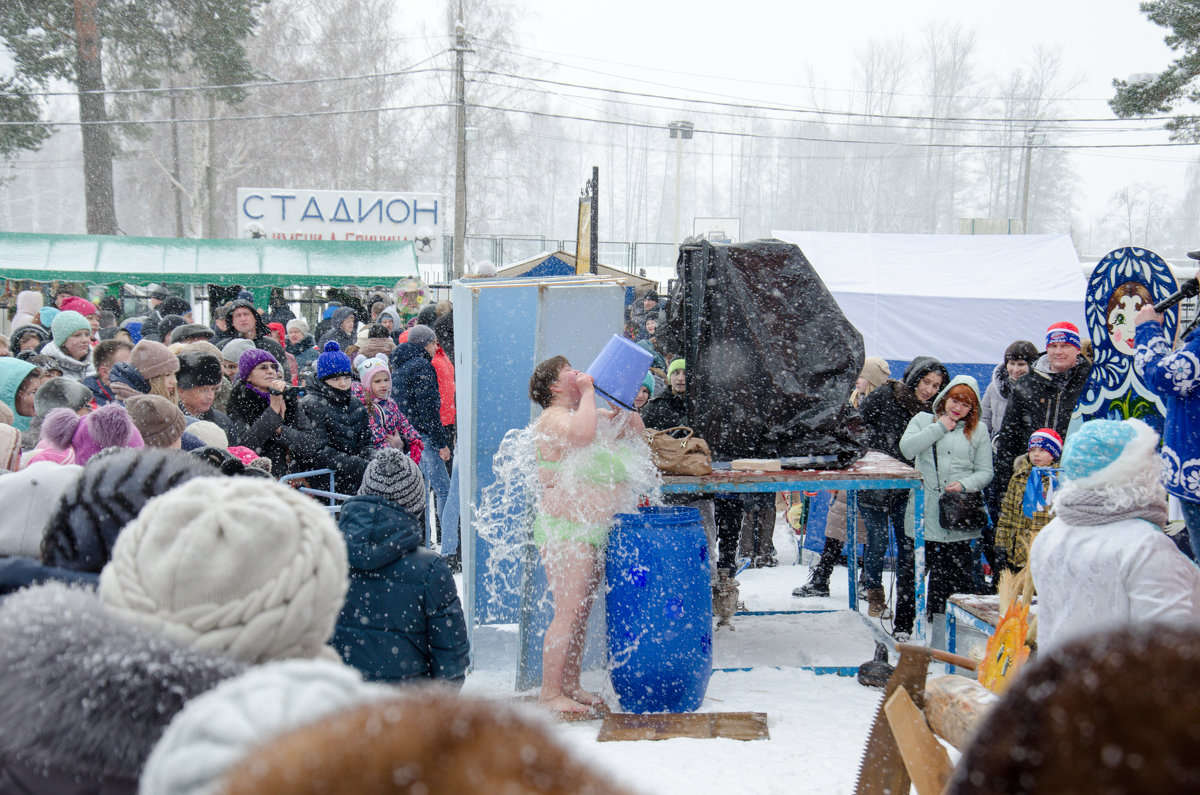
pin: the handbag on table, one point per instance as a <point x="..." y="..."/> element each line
<point x="687" y="454"/>
<point x="961" y="511"/>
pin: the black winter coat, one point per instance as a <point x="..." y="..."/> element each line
<point x="402" y="619"/>
<point x="886" y="413"/>
<point x="288" y="441"/>
<point x="87" y="695"/>
<point x="1041" y="399"/>
<point x="666" y="411"/>
<point x="415" y="390"/>
<point x="340" y="425"/>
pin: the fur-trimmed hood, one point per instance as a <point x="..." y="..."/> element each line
<point x="87" y="694"/>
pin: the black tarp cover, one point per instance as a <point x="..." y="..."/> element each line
<point x="771" y="359"/>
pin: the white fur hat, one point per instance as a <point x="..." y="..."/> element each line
<point x="216" y="730"/>
<point x="242" y="566"/>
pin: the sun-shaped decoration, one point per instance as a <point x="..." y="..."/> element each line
<point x="1006" y="650"/>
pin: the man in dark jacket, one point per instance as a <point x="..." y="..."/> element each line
<point x="1045" y="398"/>
<point x="198" y="380"/>
<point x="885" y="413"/>
<point x="245" y="321"/>
<point x="415" y="390"/>
<point x="339" y="420"/>
<point x="669" y="409"/>
<point x="402" y="619"/>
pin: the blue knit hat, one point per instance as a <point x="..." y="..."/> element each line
<point x="46" y="315"/>
<point x="333" y="362"/>
<point x="67" y="323"/>
<point x="1107" y="451"/>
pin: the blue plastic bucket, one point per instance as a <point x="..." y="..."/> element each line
<point x="659" y="607"/>
<point x="619" y="370"/>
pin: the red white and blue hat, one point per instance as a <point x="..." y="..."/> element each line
<point x="1047" y="439"/>
<point x="1062" y="332"/>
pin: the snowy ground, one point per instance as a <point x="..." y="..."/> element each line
<point x="818" y="723"/>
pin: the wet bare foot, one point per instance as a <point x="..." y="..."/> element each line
<point x="590" y="699"/>
<point x="563" y="705"/>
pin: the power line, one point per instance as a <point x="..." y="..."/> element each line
<point x="764" y="136"/>
<point x="816" y="111"/>
<point x="993" y="125"/>
<point x="256" y="117"/>
<point x="410" y="70"/>
<point x="502" y="48"/>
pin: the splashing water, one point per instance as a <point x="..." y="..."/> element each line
<point x="592" y="484"/>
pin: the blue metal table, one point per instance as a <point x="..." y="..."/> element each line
<point x="873" y="471"/>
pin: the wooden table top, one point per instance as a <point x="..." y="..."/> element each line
<point x="985" y="607"/>
<point x="872" y="466"/>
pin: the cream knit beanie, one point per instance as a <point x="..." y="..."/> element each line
<point x="249" y="568"/>
<point x="216" y="730"/>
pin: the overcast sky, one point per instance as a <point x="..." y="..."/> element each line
<point x="690" y="44"/>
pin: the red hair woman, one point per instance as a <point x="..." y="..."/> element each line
<point x="952" y="450"/>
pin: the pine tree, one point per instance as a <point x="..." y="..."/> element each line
<point x="1180" y="81"/>
<point x="134" y="42"/>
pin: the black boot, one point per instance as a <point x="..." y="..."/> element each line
<point x="818" y="583"/>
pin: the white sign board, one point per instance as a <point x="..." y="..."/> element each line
<point x="295" y="214"/>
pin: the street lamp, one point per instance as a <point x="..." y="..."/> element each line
<point x="680" y="131"/>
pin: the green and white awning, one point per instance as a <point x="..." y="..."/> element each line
<point x="103" y="259"/>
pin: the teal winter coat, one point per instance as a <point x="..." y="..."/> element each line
<point x="12" y="373"/>
<point x="968" y="461"/>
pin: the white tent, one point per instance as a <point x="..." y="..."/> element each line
<point x="961" y="298"/>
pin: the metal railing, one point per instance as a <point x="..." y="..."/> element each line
<point x="332" y="495"/>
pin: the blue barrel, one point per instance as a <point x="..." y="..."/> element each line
<point x="659" y="610"/>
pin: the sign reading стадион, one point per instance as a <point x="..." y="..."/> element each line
<point x="296" y="214"/>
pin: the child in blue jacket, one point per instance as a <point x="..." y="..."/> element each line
<point x="402" y="619"/>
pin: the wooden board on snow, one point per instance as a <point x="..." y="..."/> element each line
<point x="623" y="726"/>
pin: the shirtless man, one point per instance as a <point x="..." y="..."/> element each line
<point x="583" y="487"/>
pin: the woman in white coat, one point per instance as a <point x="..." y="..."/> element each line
<point x="963" y="462"/>
<point x="1103" y="561"/>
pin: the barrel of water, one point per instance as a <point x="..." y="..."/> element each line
<point x="659" y="608"/>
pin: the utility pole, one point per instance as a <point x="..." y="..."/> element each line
<point x="460" y="147"/>
<point x="1025" y="188"/>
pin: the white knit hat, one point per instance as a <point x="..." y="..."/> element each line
<point x="208" y="432"/>
<point x="242" y="566"/>
<point x="216" y="730"/>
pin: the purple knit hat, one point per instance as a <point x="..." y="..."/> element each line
<point x="251" y="359"/>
